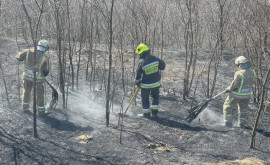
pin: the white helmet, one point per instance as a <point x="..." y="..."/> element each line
<point x="240" y="60"/>
<point x="43" y="43"/>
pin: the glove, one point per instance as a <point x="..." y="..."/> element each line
<point x="228" y="90"/>
<point x="138" y="83"/>
<point x="45" y="73"/>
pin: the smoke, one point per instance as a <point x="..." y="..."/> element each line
<point x="85" y="109"/>
<point x="210" y="117"/>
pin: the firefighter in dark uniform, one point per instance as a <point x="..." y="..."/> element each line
<point x="148" y="79"/>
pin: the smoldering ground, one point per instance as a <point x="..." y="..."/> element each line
<point x="85" y="108"/>
<point x="210" y="117"/>
<point x="169" y="140"/>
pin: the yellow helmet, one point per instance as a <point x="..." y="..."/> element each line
<point x="240" y="60"/>
<point x="141" y="48"/>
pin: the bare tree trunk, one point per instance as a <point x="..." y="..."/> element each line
<point x="5" y="84"/>
<point x="70" y="54"/>
<point x="162" y="30"/>
<point x="252" y="143"/>
<point x="34" y="39"/>
<point x="264" y="92"/>
<point x="110" y="66"/>
<point x="220" y="41"/>
<point x="81" y="42"/>
<point x="90" y="54"/>
<point x="59" y="42"/>
<point x="189" y="45"/>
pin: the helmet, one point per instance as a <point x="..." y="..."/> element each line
<point x="141" y="48"/>
<point x="240" y="60"/>
<point x="43" y="43"/>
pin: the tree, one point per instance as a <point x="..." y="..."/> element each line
<point x="34" y="27"/>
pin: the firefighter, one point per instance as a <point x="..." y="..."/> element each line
<point x="148" y="79"/>
<point x="239" y="91"/>
<point x="42" y="70"/>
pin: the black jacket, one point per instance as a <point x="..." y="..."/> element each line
<point x="148" y="70"/>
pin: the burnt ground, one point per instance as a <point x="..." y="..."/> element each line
<point x="166" y="140"/>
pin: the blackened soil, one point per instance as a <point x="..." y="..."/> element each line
<point x="166" y="140"/>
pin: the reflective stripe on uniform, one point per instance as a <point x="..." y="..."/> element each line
<point x="29" y="73"/>
<point x="226" y="105"/>
<point x="243" y="119"/>
<point x="154" y="107"/>
<point x="44" y="90"/>
<point x="153" y="63"/>
<point x="242" y="92"/>
<point x="146" y="110"/>
<point x="228" y="117"/>
<point x="26" y="63"/>
<point x="41" y="109"/>
<point x="25" y="105"/>
<point x="153" y="85"/>
<point x="151" y="68"/>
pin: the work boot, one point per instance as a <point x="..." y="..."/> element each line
<point x="154" y="113"/>
<point x="228" y="124"/>
<point x="25" y="108"/>
<point x="146" y="115"/>
<point x="242" y="124"/>
<point x="41" y="112"/>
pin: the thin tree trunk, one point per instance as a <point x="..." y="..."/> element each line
<point x="81" y="40"/>
<point x="90" y="54"/>
<point x="5" y="84"/>
<point x="264" y="92"/>
<point x="59" y="42"/>
<point x="252" y="143"/>
<point x="34" y="39"/>
<point x="110" y="67"/>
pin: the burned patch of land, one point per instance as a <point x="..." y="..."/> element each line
<point x="78" y="134"/>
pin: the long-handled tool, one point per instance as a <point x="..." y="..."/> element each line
<point x="195" y="111"/>
<point x="121" y="115"/>
<point x="136" y="91"/>
<point x="54" y="95"/>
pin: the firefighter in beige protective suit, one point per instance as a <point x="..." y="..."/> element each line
<point x="240" y="91"/>
<point x="42" y="70"/>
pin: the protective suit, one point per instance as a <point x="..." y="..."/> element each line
<point x="240" y="92"/>
<point x="148" y="78"/>
<point x="42" y="69"/>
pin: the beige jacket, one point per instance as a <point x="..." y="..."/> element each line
<point x="41" y="65"/>
<point x="241" y="86"/>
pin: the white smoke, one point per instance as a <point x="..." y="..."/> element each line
<point x="210" y="117"/>
<point x="84" y="109"/>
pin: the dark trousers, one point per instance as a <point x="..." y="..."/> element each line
<point x="145" y="93"/>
